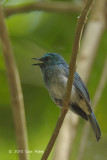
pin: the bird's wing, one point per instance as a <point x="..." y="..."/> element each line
<point x="81" y="87"/>
<point x="78" y="83"/>
<point x="84" y="101"/>
<point x="76" y="109"/>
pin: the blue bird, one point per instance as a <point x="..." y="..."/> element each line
<point x="55" y="73"/>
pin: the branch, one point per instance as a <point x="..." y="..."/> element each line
<point x="15" y="89"/>
<point x="90" y="43"/>
<point x="66" y="7"/>
<point x="87" y="54"/>
<point x="96" y="99"/>
<point x="75" y="49"/>
<point x="80" y="26"/>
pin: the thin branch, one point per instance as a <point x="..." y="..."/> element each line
<point x="15" y="89"/>
<point x="66" y="7"/>
<point x="96" y="99"/>
<point x="87" y="54"/>
<point x="80" y="25"/>
<point x="90" y="43"/>
<point x="66" y="137"/>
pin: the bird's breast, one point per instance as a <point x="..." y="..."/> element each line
<point x="57" y="86"/>
<point x="55" y="81"/>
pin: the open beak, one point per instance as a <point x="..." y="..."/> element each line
<point x="39" y="64"/>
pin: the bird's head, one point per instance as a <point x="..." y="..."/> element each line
<point x="49" y="59"/>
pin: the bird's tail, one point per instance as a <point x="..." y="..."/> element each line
<point x="95" y="126"/>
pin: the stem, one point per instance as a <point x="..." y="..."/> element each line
<point x="15" y="89"/>
<point x="80" y="25"/>
<point x="66" y="7"/>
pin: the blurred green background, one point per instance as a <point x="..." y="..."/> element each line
<point x="32" y="35"/>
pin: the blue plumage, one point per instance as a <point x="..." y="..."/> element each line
<point x="55" y="73"/>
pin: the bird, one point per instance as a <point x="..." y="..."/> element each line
<point x="55" y="72"/>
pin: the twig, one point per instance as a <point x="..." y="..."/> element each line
<point x="87" y="54"/>
<point x="15" y="89"/>
<point x="66" y="137"/>
<point x="66" y="7"/>
<point x="80" y="25"/>
<point x="90" y="43"/>
<point x="96" y="99"/>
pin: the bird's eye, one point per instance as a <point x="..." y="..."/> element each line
<point x="47" y="58"/>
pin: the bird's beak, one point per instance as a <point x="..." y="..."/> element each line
<point x="39" y="59"/>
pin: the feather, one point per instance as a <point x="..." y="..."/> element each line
<point x="95" y="126"/>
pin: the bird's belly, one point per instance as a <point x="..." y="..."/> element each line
<point x="58" y="87"/>
<point x="57" y="92"/>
